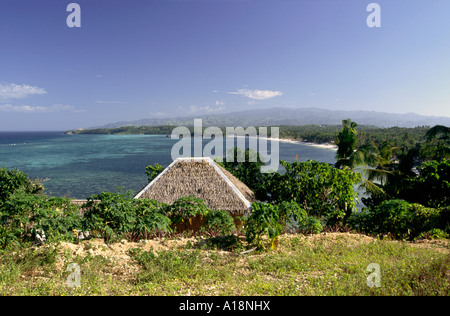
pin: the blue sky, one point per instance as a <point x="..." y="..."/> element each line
<point x="138" y="59"/>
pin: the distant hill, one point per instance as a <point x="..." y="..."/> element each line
<point x="300" y="116"/>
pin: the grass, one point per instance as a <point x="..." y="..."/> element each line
<point x="332" y="264"/>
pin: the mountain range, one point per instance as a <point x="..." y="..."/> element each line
<point x="298" y="116"/>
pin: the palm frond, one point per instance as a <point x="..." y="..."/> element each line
<point x="437" y="130"/>
<point x="378" y="174"/>
<point x="371" y="187"/>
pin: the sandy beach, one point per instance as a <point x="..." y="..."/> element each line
<point x="293" y="141"/>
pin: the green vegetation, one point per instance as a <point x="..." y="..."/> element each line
<point x="114" y="215"/>
<point x="403" y="220"/>
<point x="322" y="190"/>
<point x="218" y="223"/>
<point x="26" y="215"/>
<point x="29" y="218"/>
<point x="185" y="209"/>
<point x="407" y="182"/>
<point x="127" y="130"/>
<point x="248" y="172"/>
<point x="153" y="171"/>
<point x="12" y="181"/>
<point x="331" y="264"/>
<point x="397" y="136"/>
<point x="270" y="220"/>
<point x="409" y="195"/>
<point x="406" y="173"/>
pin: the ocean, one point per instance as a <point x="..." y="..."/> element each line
<point x="78" y="166"/>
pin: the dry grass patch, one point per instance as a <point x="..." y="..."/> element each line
<point x="323" y="264"/>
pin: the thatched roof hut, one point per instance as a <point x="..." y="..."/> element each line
<point x="202" y="178"/>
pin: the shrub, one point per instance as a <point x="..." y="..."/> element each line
<point x="311" y="225"/>
<point x="12" y="181"/>
<point x="218" y="222"/>
<point x="26" y="217"/>
<point x="114" y="214"/>
<point x="268" y="219"/>
<point x="228" y="243"/>
<point x="399" y="218"/>
<point x="434" y="233"/>
<point x="185" y="209"/>
<point x="291" y="214"/>
<point x="444" y="219"/>
<point x="109" y="214"/>
<point x="264" y="220"/>
<point x="150" y="217"/>
<point x="422" y="218"/>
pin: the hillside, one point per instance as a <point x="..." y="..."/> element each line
<point x="300" y="116"/>
<point x="324" y="264"/>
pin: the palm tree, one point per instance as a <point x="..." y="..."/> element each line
<point x="438" y="130"/>
<point x="385" y="164"/>
<point x="346" y="141"/>
<point x="438" y="143"/>
<point x="352" y="158"/>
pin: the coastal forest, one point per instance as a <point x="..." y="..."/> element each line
<point x="396" y="136"/>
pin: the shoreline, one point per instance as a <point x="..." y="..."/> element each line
<point x="328" y="146"/>
<point x="293" y="141"/>
<point x="323" y="145"/>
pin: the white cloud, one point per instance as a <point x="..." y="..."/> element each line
<point x="220" y="103"/>
<point x="17" y="91"/>
<point x="36" y="109"/>
<point x="257" y="94"/>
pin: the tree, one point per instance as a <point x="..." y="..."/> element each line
<point x="153" y="171"/>
<point x="438" y="143"/>
<point x="350" y="157"/>
<point x="346" y="141"/>
<point x="432" y="187"/>
<point x="384" y="164"/>
<point x="417" y="172"/>
<point x="320" y="189"/>
<point x="438" y="130"/>
<point x="248" y="171"/>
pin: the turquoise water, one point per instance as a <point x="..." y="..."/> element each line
<point x="78" y="166"/>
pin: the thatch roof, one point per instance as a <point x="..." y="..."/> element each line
<point x="202" y="178"/>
